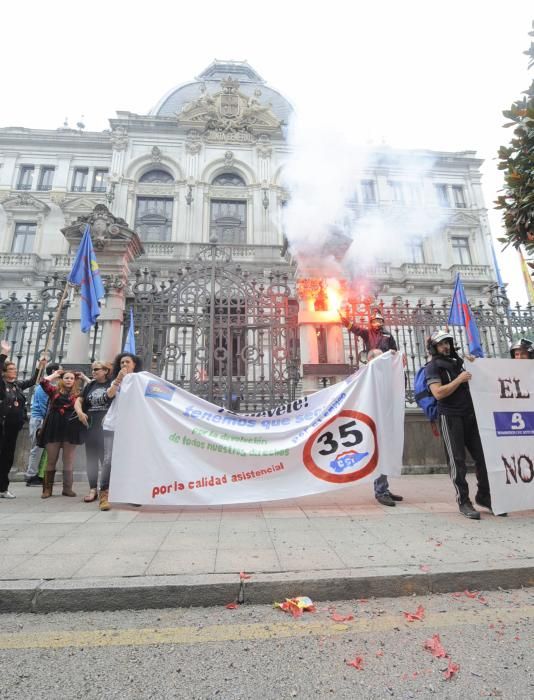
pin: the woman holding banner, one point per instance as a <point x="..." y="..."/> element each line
<point x="123" y="364"/>
<point x="61" y="429"/>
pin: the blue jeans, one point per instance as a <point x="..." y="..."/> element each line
<point x="381" y="485"/>
<point x="36" y="451"/>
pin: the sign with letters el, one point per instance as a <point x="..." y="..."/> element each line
<point x="503" y="396"/>
<point x="173" y="448"/>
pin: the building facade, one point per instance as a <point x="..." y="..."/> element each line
<point x="206" y="167"/>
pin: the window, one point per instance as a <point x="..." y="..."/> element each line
<point x="397" y="194"/>
<point x="153" y="218"/>
<point x="229" y="179"/>
<point x="99" y="181"/>
<point x="161" y="176"/>
<point x="228" y="221"/>
<point x="79" y="180"/>
<point x="416" y="252"/>
<point x="458" y="196"/>
<point x="368" y="192"/>
<point x="25" y="177"/>
<point x="442" y="194"/>
<point x="23" y="238"/>
<point x="414" y="195"/>
<point x="461" y="252"/>
<point x="46" y="178"/>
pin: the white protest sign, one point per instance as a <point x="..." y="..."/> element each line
<point x="173" y="448"/>
<point x="503" y="397"/>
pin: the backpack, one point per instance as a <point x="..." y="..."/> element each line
<point x="423" y="396"/>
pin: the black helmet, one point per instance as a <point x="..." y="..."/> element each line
<point x="522" y="344"/>
<point x="437" y="337"/>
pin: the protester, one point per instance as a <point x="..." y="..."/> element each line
<point x="447" y="380"/>
<point x="91" y="408"/>
<point x="522" y="349"/>
<point x="376" y="338"/>
<point x="62" y="431"/>
<point x="123" y="364"/>
<point x="37" y="415"/>
<point x="12" y="412"/>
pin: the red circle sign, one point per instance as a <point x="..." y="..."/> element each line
<point x="319" y="472"/>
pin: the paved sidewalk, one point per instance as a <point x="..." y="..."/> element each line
<point x="61" y="553"/>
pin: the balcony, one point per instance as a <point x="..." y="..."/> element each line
<point x="98" y="188"/>
<point x="24" y="186"/>
<point x="473" y="273"/>
<point x="44" y="188"/>
<point x="173" y="250"/>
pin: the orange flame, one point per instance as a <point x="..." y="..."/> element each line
<point x="334" y="296"/>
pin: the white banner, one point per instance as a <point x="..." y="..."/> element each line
<point x="173" y="448"/>
<point x="503" y="396"/>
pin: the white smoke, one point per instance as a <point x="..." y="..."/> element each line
<point x="324" y="176"/>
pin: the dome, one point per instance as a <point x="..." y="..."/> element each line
<point x="250" y="84"/>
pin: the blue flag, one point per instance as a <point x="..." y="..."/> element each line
<point x="85" y="272"/>
<point x="461" y="315"/>
<point x="129" y="345"/>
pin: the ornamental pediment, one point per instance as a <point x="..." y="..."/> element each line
<point x="77" y="205"/>
<point x="462" y="218"/>
<point x="228" y="112"/>
<point x="24" y="201"/>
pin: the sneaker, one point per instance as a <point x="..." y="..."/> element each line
<point x="395" y="497"/>
<point x="385" y="499"/>
<point x="7" y="494"/>
<point x="468" y="510"/>
<point x="34" y="481"/>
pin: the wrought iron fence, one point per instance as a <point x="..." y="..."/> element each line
<point x="498" y="323"/>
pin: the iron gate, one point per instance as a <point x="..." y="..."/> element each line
<point x="220" y="332"/>
<point x="28" y="321"/>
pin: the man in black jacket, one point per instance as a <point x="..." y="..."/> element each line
<point x="376" y="338"/>
<point x="12" y="413"/>
<point x="447" y="380"/>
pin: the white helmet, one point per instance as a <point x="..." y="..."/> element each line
<point x="437" y="337"/>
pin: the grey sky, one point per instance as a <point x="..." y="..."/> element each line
<point x="415" y="74"/>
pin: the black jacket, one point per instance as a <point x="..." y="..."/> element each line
<point x="11" y="392"/>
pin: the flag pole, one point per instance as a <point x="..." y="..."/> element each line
<point x="53" y="328"/>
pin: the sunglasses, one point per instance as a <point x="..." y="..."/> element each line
<point x="95" y="369"/>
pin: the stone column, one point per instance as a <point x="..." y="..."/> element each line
<point x="116" y="246"/>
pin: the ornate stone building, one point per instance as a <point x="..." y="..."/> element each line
<point x="207" y="165"/>
<point x="209" y="160"/>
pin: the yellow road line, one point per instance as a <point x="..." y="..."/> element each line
<point x="309" y="625"/>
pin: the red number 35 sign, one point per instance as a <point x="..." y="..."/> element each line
<point x="343" y="449"/>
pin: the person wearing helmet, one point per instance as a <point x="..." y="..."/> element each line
<point x="376" y="337"/>
<point x="448" y="380"/>
<point x="376" y="340"/>
<point x="522" y="349"/>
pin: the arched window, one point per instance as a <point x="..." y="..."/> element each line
<point x="160" y="176"/>
<point x="229" y="180"/>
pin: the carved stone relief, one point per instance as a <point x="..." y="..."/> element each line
<point x="119" y="138"/>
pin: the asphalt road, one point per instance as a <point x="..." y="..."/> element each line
<point x="263" y="652"/>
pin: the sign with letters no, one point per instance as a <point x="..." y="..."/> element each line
<point x="503" y="396"/>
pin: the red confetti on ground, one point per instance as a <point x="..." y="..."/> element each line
<point x="452" y="669"/>
<point x="341" y="618"/>
<point x="435" y="647"/>
<point x="380" y="652"/>
<point x="231" y="606"/>
<point x="439" y="544"/>
<point x="517" y="637"/>
<point x="243" y="576"/>
<point x="357" y="663"/>
<point x="419" y="614"/>
<point x="471" y="594"/>
<point x="424" y="567"/>
<point x="363" y="600"/>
